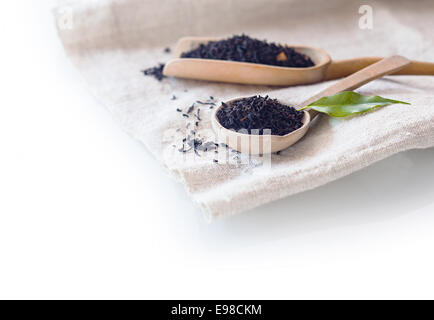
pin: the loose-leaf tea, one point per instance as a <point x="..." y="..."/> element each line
<point x="245" y="49"/>
<point x="192" y="141"/>
<point x="156" y="72"/>
<point x="260" y="113"/>
<point x="348" y="103"/>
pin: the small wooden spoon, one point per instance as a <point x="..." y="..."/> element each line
<point x="260" y="144"/>
<point x="261" y="74"/>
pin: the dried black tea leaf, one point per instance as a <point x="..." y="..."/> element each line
<point x="190" y="109"/>
<point x="206" y="103"/>
<point x="156" y="72"/>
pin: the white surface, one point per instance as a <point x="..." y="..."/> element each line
<point x="85" y="212"/>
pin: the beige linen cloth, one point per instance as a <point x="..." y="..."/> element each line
<point x="111" y="41"/>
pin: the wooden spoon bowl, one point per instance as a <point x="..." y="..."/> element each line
<point x="243" y="72"/>
<point x="253" y="143"/>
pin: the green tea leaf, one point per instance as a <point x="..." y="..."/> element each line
<point x="348" y="103"/>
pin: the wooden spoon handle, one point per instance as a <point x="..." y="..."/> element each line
<point x="342" y="68"/>
<point x="358" y="79"/>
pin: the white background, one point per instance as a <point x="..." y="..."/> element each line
<point x="85" y="212"/>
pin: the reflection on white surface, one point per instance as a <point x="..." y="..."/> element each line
<point x="399" y="185"/>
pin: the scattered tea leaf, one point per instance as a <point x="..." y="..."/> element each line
<point x="198" y="115"/>
<point x="206" y="103"/>
<point x="156" y="72"/>
<point x="191" y="108"/>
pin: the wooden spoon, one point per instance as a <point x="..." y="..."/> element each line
<point x="243" y="72"/>
<point x="261" y="74"/>
<point x="260" y="144"/>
